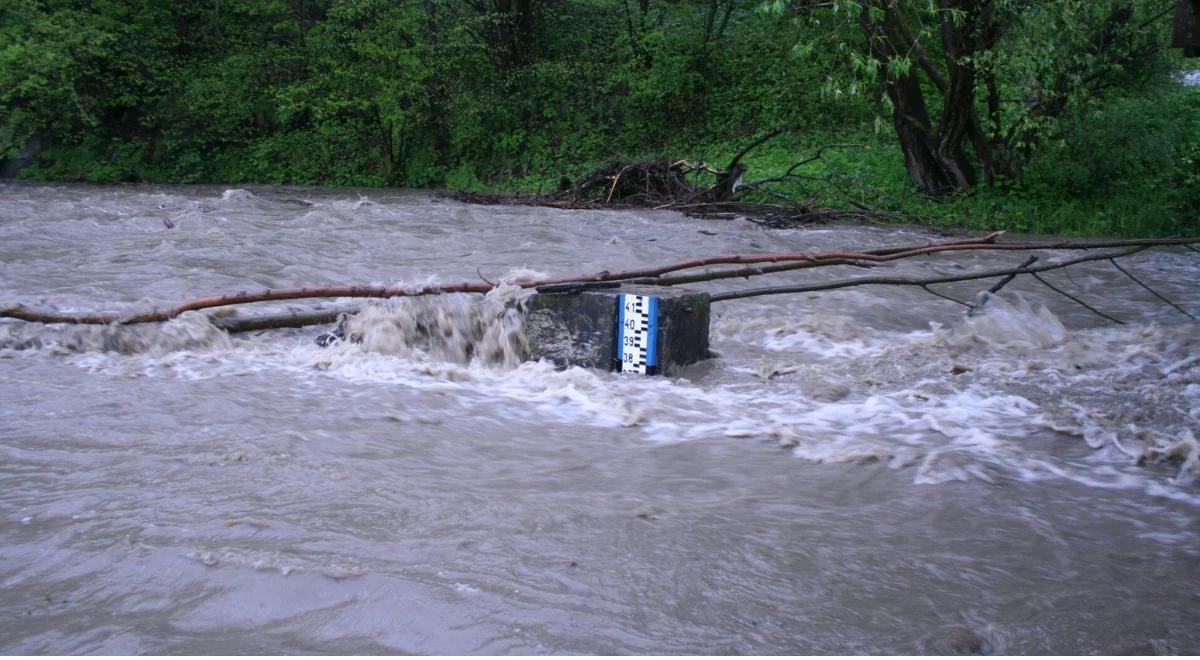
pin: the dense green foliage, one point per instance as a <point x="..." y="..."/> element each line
<point x="511" y="94"/>
<point x="974" y="87"/>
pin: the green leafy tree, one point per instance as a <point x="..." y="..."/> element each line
<point x="973" y="87"/>
<point x="47" y="60"/>
<point x="365" y="78"/>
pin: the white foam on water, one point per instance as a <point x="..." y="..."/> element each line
<point x="283" y="562"/>
<point x="96" y="344"/>
<point x="826" y="337"/>
<point x="239" y="198"/>
<point x="974" y="400"/>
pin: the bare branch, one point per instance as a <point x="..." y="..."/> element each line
<point x="774" y="262"/>
<point x="942" y="295"/>
<point x="910" y="281"/>
<point x="1077" y="300"/>
<point x="745" y="150"/>
<point x="1004" y="282"/>
<point x="977" y="308"/>
<point x="811" y="159"/>
<point x="1155" y="293"/>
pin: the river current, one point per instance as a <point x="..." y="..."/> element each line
<point x="867" y="470"/>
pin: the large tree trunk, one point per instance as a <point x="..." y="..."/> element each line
<point x="943" y="157"/>
<point x="515" y="28"/>
<point x="958" y="102"/>
<point x="937" y="166"/>
<point x="934" y="157"/>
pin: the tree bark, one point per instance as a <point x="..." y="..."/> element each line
<point x="653" y="275"/>
<point x="934" y="157"/>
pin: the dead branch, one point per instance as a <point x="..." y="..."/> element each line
<point x="872" y="257"/>
<point x="748" y="148"/>
<point x="978" y="307"/>
<point x="663" y="184"/>
<point x="775" y="262"/>
<point x="791" y="171"/>
<point x="244" y="297"/>
<point x="1008" y="278"/>
<point x="1076" y="300"/>
<point x="942" y="295"/>
<point x="1152" y="291"/>
<point x="913" y="281"/>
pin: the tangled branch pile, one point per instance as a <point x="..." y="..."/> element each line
<point x="695" y="189"/>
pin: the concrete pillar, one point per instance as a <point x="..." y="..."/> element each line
<point x="665" y="327"/>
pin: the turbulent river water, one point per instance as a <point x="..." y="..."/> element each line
<point x="859" y="471"/>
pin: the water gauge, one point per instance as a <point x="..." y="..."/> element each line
<point x="637" y="334"/>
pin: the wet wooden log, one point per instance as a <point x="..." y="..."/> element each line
<point x="292" y="319"/>
<point x="571" y="325"/>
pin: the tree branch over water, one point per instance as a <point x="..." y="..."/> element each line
<point x="917" y="281"/>
<point x="665" y="275"/>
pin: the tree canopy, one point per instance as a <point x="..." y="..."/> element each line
<point x="975" y="86"/>
<point x="959" y="96"/>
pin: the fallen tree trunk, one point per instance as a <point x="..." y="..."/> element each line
<point x="293" y="319"/>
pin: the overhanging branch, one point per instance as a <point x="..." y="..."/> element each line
<point x="751" y="265"/>
<point x="913" y="281"/>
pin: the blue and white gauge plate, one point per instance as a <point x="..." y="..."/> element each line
<point x="637" y="334"/>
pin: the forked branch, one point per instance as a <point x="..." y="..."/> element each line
<point x="665" y="275"/>
<point x="915" y="281"/>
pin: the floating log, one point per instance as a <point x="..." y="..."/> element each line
<point x="577" y="320"/>
<point x="293" y="319"/>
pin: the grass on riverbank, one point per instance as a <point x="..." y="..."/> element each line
<point x="379" y="93"/>
<point x="1131" y="170"/>
<point x="1148" y="185"/>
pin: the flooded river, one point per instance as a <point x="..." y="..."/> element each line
<point x="860" y="471"/>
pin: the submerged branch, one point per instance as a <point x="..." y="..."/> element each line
<point x="913" y="281"/>
<point x="1152" y="291"/>
<point x="296" y="319"/>
<point x="1076" y="300"/>
<point x="771" y="262"/>
<point x="942" y="295"/>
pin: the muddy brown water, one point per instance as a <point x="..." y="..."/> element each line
<point x="859" y="471"/>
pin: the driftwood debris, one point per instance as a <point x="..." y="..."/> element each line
<point x="682" y="272"/>
<point x="694" y="189"/>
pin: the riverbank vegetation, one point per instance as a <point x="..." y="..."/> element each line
<point x="1060" y="116"/>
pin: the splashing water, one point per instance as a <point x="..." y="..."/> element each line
<point x="868" y="470"/>
<point x="458" y="328"/>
